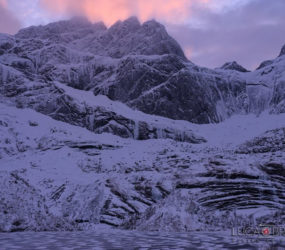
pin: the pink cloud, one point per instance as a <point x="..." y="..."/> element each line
<point x="109" y="11"/>
<point x="8" y="22"/>
<point x="248" y="34"/>
<point x="3" y="3"/>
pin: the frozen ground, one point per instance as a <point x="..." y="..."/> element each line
<point x="116" y="239"/>
<point x="239" y="128"/>
<point x="58" y="177"/>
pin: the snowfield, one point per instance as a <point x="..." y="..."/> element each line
<point x="82" y="179"/>
<point x="239" y="128"/>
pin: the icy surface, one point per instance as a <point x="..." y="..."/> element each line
<point x="240" y="128"/>
<point x="115" y="239"/>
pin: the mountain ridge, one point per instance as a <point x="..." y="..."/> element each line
<point x="141" y="66"/>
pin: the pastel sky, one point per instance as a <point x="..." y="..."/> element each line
<point x="211" y="32"/>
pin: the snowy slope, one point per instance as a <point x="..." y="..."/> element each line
<point x="96" y="113"/>
<point x="82" y="179"/>
<point x="240" y="128"/>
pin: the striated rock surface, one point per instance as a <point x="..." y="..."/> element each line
<point x="68" y="178"/>
<point x="97" y="114"/>
<point x="141" y="66"/>
<point x="271" y="141"/>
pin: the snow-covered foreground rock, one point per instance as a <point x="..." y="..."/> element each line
<point x="56" y="176"/>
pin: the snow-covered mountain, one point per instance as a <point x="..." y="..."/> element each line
<point x="140" y="65"/>
<point x="234" y="66"/>
<point x="115" y="126"/>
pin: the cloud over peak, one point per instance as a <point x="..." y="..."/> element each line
<point x="211" y="32"/>
<point x="109" y="11"/>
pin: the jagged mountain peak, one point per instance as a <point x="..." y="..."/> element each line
<point x="270" y="62"/>
<point x="149" y="38"/>
<point x="133" y="20"/>
<point x="75" y="24"/>
<point x="264" y="64"/>
<point x="153" y="23"/>
<point x="134" y="24"/>
<point x="121" y="39"/>
<point x="152" y="26"/>
<point x="99" y="26"/>
<point x="234" y="66"/>
<point x="282" y="52"/>
<point x="122" y="28"/>
<point x="138" y="64"/>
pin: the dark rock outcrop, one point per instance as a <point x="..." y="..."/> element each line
<point x="264" y="64"/>
<point x="271" y="141"/>
<point x="51" y="100"/>
<point x="282" y="52"/>
<point x="234" y="66"/>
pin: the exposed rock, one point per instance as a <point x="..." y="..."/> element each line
<point x="282" y="52"/>
<point x="219" y="198"/>
<point x="23" y="208"/>
<point x="264" y="64"/>
<point x="6" y="42"/>
<point x="96" y="115"/>
<point x="271" y="141"/>
<point x="140" y="65"/>
<point x="234" y="66"/>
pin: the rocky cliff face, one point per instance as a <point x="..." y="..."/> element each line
<point x="81" y="108"/>
<point x="121" y="39"/>
<point x="266" y="86"/>
<point x="138" y="64"/>
<point x="282" y="52"/>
